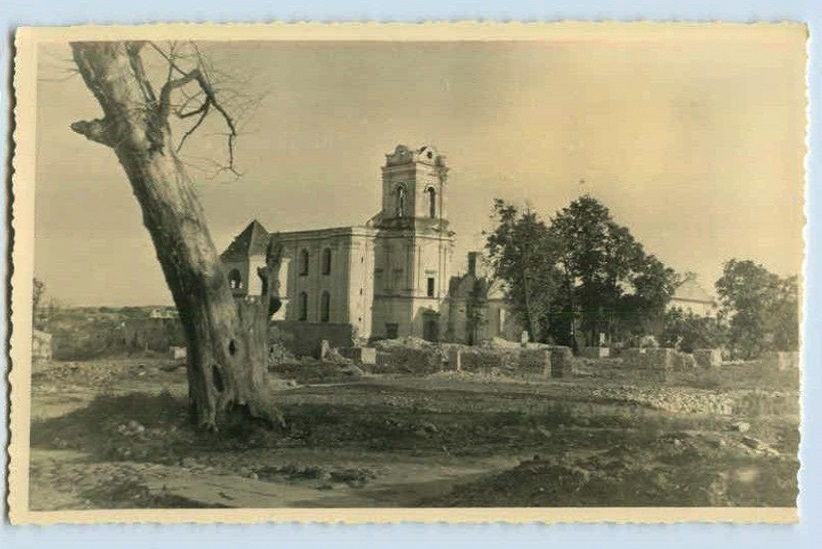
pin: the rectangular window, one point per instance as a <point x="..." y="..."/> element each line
<point x="327" y="261"/>
<point x="391" y="330"/>
<point x="430" y="289"/>
<point x="302" y="303"/>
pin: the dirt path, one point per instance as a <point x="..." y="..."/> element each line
<point x="69" y="479"/>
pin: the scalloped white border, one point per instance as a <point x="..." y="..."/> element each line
<point x="22" y="222"/>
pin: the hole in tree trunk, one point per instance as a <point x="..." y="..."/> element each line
<point x="217" y="378"/>
<point x="274" y="305"/>
<point x="232" y="347"/>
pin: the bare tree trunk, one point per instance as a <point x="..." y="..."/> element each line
<point x="227" y="340"/>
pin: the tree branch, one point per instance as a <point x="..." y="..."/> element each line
<point x="169" y="86"/>
<point x="204" y="110"/>
<point x="94" y="130"/>
<point x="199" y="75"/>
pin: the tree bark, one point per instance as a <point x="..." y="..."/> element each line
<point x="227" y="339"/>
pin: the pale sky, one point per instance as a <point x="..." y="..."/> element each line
<point x="694" y="140"/>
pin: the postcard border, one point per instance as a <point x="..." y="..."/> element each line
<point x="22" y="243"/>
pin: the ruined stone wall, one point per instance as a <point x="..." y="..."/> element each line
<point x="708" y="358"/>
<point x="95" y="337"/>
<point x="304" y="337"/>
<point x="477" y="359"/>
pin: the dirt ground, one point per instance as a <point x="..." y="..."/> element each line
<point x="114" y="434"/>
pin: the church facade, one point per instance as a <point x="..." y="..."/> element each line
<point x="390" y="277"/>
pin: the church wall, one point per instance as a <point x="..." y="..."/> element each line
<point x="404" y="261"/>
<point x="314" y="282"/>
<point x="346" y="284"/>
<point x="361" y="269"/>
<point x="392" y="310"/>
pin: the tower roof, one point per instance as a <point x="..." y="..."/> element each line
<point x="426" y="154"/>
<point x="252" y="241"/>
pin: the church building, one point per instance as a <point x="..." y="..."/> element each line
<point x="387" y="278"/>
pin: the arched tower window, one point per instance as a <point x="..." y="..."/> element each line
<point x="327" y="261"/>
<point x="235" y="279"/>
<point x="302" y="304"/>
<point x="325" y="307"/>
<point x="303" y="262"/>
<point x="401" y="201"/>
<point x="432" y="202"/>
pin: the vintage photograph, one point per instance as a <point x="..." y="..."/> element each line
<point x="382" y="267"/>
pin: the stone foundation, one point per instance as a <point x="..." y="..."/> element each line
<point x="651" y="363"/>
<point x="782" y="360"/>
<point x="562" y="362"/>
<point x="177" y="353"/>
<point x="305" y="337"/>
<point x="360" y="355"/>
<point x="684" y="362"/>
<point x="535" y="362"/>
<point x="708" y="358"/>
<point x="595" y="352"/>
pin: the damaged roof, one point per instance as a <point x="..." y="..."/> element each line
<point x="252" y="241"/>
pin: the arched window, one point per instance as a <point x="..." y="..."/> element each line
<point x="302" y="304"/>
<point x="325" y="307"/>
<point x="432" y="202"/>
<point x="401" y="201"/>
<point x="235" y="279"/>
<point x="327" y="261"/>
<point x="303" y="262"/>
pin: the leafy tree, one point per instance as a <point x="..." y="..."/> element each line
<point x="609" y="279"/>
<point x="762" y="308"/>
<point x="523" y="254"/>
<point x="688" y="331"/>
<point x="583" y="270"/>
<point x="476" y="308"/>
<point x="784" y="319"/>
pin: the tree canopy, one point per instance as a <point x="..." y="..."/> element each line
<point x="616" y="287"/>
<point x="523" y="253"/>
<point x="762" y="309"/>
<point x="581" y="273"/>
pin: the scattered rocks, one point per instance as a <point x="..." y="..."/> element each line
<point x="188" y="462"/>
<point x="759" y="446"/>
<point x="670" y="399"/>
<point x="741" y="426"/>
<point x="131" y="428"/>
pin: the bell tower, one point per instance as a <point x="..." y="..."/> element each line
<point x="413" y="246"/>
<point x="414" y="189"/>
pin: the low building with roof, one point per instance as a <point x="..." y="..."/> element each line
<point x="691" y="297"/>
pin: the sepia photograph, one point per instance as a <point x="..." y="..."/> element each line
<point x="420" y="268"/>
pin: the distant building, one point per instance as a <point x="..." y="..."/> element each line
<point x="690" y="296"/>
<point x="163" y="312"/>
<point x="387" y="278"/>
<point x="478" y="310"/>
